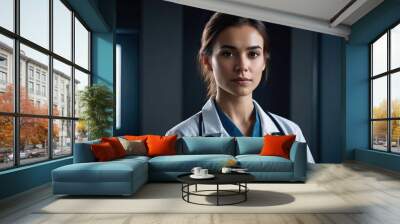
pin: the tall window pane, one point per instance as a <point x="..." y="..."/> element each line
<point x="6" y="74"/>
<point x="81" y="45"/>
<point x="35" y="21"/>
<point x="33" y="139"/>
<point x="62" y="138"/>
<point x="7" y="14"/>
<point x="62" y="29"/>
<point x="395" y="47"/>
<point x="6" y="142"/>
<point x="379" y="135"/>
<point x="395" y="132"/>
<point x="34" y="96"/>
<point x="395" y="95"/>
<point x="81" y="81"/>
<point x="62" y="89"/>
<point x="379" y="97"/>
<point x="379" y="55"/>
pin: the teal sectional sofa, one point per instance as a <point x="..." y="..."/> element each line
<point x="125" y="176"/>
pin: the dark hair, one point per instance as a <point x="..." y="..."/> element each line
<point x="217" y="23"/>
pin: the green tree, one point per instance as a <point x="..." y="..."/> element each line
<point x="97" y="109"/>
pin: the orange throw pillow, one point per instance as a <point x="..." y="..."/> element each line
<point x="135" y="137"/>
<point x="161" y="145"/>
<point x="103" y="151"/>
<point x="116" y="145"/>
<point x="277" y="145"/>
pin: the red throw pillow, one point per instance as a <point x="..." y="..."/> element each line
<point x="161" y="145"/>
<point x="277" y="145"/>
<point x="116" y="145"/>
<point x="103" y="151"/>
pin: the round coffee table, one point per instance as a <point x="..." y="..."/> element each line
<point x="238" y="179"/>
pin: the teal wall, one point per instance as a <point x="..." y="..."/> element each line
<point x="357" y="84"/>
<point x="24" y="178"/>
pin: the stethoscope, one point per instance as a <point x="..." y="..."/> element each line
<point x="280" y="132"/>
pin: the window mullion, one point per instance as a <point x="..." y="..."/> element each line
<point x="50" y="81"/>
<point x="73" y="82"/>
<point x="16" y="84"/>
<point x="389" y="114"/>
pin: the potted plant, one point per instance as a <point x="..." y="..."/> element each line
<point x="96" y="103"/>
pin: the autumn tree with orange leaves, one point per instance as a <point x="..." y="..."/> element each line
<point x="34" y="130"/>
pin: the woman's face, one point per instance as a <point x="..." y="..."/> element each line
<point x="237" y="60"/>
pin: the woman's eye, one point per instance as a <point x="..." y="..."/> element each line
<point x="253" y="54"/>
<point x="226" y="54"/>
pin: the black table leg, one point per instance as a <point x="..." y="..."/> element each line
<point x="217" y="194"/>
<point x="245" y="193"/>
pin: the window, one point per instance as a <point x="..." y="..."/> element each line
<point x="30" y="87"/>
<point x="38" y="89"/>
<point x="55" y="126"/>
<point x="44" y="91"/>
<point x="30" y="72"/>
<point x="385" y="94"/>
<point x="3" y="61"/>
<point x="7" y="14"/>
<point x="3" y="78"/>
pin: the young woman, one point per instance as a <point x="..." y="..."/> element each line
<point x="234" y="58"/>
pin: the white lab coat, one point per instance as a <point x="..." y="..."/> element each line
<point x="212" y="125"/>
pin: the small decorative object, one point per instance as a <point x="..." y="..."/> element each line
<point x="231" y="163"/>
<point x="226" y="170"/>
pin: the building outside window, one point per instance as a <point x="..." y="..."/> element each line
<point x="59" y="134"/>
<point x="385" y="91"/>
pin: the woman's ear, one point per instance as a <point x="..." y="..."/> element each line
<point x="205" y="60"/>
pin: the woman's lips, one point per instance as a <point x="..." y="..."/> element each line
<point x="242" y="81"/>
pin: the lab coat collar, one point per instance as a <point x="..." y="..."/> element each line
<point x="267" y="125"/>
<point x="212" y="125"/>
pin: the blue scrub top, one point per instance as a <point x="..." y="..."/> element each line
<point x="232" y="129"/>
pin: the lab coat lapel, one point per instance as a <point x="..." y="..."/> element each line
<point x="267" y="125"/>
<point x="212" y="123"/>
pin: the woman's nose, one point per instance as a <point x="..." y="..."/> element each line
<point x="242" y="64"/>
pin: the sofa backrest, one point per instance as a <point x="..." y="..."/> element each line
<point x="83" y="152"/>
<point x="206" y="145"/>
<point x="249" y="145"/>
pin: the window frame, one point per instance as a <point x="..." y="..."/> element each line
<point x="16" y="115"/>
<point x="388" y="74"/>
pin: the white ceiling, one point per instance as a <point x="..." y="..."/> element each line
<point x="325" y="16"/>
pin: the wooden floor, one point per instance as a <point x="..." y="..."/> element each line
<point x="378" y="188"/>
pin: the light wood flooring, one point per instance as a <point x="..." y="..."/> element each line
<point x="378" y="188"/>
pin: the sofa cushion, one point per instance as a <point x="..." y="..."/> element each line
<point x="134" y="147"/>
<point x="249" y="145"/>
<point x="277" y="145"/>
<point x="185" y="163"/>
<point x="161" y="145"/>
<point x="111" y="171"/>
<point x="103" y="151"/>
<point x="116" y="145"/>
<point x="257" y="163"/>
<point x="207" y="145"/>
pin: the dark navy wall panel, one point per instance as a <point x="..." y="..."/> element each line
<point x="304" y="86"/>
<point x="161" y="66"/>
<point x="331" y="125"/>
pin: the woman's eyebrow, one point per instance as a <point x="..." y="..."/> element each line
<point x="234" y="48"/>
